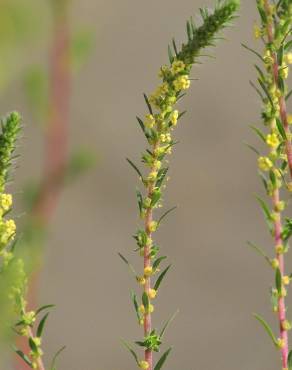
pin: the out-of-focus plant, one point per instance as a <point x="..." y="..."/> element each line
<point x="48" y="91"/>
<point x="13" y="278"/>
<point x="158" y="127"/>
<point x="275" y="164"/>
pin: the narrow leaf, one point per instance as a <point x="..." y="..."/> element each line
<point x="160" y="278"/>
<point x="169" y="321"/>
<point x="131" y="351"/>
<point x="162" y="360"/>
<point x="42" y="325"/>
<point x="267" y="328"/>
<point x="135" y="167"/>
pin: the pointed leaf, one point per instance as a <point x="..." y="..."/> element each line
<point x="53" y="364"/>
<point x="160" y="278"/>
<point x="267" y="328"/>
<point x="42" y="325"/>
<point x="131" y="351"/>
<point x="162" y="360"/>
<point x="135" y="168"/>
<point x="165" y="326"/>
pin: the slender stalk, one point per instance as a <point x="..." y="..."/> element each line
<point x="56" y="137"/>
<point x="56" y="142"/>
<point x="39" y="360"/>
<point x="158" y="127"/>
<point x="274" y="29"/>
<point x="281" y="97"/>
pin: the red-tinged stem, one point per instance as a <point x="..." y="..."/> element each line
<point x="147" y="263"/>
<point x="281" y="299"/>
<point x="56" y="144"/>
<point x="282" y="101"/>
<point x="57" y="128"/>
<point x="39" y="361"/>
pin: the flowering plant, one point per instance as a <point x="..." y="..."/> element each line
<point x="158" y="128"/>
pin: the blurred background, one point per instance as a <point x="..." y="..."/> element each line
<point x="216" y="282"/>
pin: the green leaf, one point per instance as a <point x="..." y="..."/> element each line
<point x="157" y="262"/>
<point x="135" y="168"/>
<point x="53" y="364"/>
<point x="259" y="133"/>
<point x="140" y="200"/>
<point x="266" y="91"/>
<point x="253" y="51"/>
<point x="160" y="277"/>
<point x="131" y="351"/>
<point x="161" y="176"/>
<point x="266" y="212"/>
<point x="148" y="104"/>
<point x="135" y="303"/>
<point x="288" y="95"/>
<point x="257" y="90"/>
<point x="145" y="300"/>
<point x="82" y="44"/>
<point x="170" y="55"/>
<point x="165" y="326"/>
<point x="155" y="197"/>
<point x="251" y="148"/>
<point x="174" y="47"/>
<point x="290" y="360"/>
<point x="278" y="280"/>
<point x="128" y="264"/>
<point x="162" y="360"/>
<point x="32" y="345"/>
<point x="42" y="325"/>
<point x="259" y="251"/>
<point x="165" y="214"/>
<point x="281" y="129"/>
<point x="23" y="356"/>
<point x="280" y="55"/>
<point x="267" y="328"/>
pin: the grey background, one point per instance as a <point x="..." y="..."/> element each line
<point x="216" y="281"/>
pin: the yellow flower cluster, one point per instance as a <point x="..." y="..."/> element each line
<point x="264" y="163"/>
<point x="272" y="140"/>
<point x="7" y="232"/>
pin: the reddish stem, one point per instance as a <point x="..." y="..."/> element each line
<point x="56" y="143"/>
<point x="281" y="300"/>
<point x="282" y="101"/>
<point x="276" y="194"/>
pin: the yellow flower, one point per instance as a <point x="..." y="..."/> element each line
<point x="264" y="163"/>
<point x="142" y="309"/>
<point x="182" y="83"/>
<point x="152" y="293"/>
<point x="280" y="206"/>
<point x="5" y="201"/>
<point x="279" y="249"/>
<point x="275" y="263"/>
<point x="152" y="176"/>
<point x="286" y="280"/>
<point x="149" y="121"/>
<point x="141" y="280"/>
<point x="289" y="119"/>
<point x="280" y="343"/>
<point x="272" y="140"/>
<point x="144" y="365"/>
<point x="286" y="325"/>
<point x="163" y="70"/>
<point x="7" y="231"/>
<point x="174" y="117"/>
<point x="257" y="31"/>
<point x="285" y="72"/>
<point x="148" y="271"/>
<point x="288" y="58"/>
<point x="177" y="66"/>
<point x="153" y="226"/>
